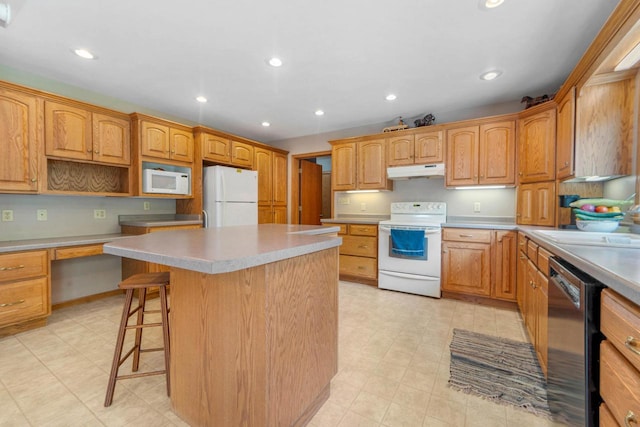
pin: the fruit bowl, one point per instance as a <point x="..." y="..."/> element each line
<point x="602" y="226"/>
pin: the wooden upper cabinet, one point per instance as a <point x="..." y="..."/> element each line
<point x="241" y="154"/>
<point x="181" y="145"/>
<point x="400" y="150"/>
<point x="428" y="147"/>
<point x="67" y="131"/>
<point x="537" y="141"/>
<point x="343" y="166"/>
<point x="497" y="152"/>
<point x="155" y="140"/>
<point x="19" y="141"/>
<point x="536" y="204"/>
<point x="216" y="148"/>
<point x="264" y="166"/>
<point x="565" y="135"/>
<point x="462" y="156"/>
<point x="372" y="164"/>
<point x="111" y="139"/>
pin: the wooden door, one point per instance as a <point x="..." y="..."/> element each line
<point x="372" y="165"/>
<point x="505" y="277"/>
<point x="428" y="148"/>
<point x="280" y="174"/>
<point x="525" y="214"/>
<point x="154" y="140"/>
<point x="497" y="153"/>
<point x="111" y="140"/>
<point x="565" y="135"/>
<point x="343" y="166"/>
<point x="19" y="142"/>
<point x="216" y="148"/>
<point x="537" y="156"/>
<point x="400" y="150"/>
<point x="181" y="145"/>
<point x="462" y="156"/>
<point x="544" y="207"/>
<point x="466" y="268"/>
<point x="263" y="164"/>
<point x="67" y="131"/>
<point x="241" y="154"/>
<point x="310" y="193"/>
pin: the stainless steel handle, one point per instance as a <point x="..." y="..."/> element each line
<point x="9" y="304"/>
<point x="630" y="344"/>
<point x="630" y="418"/>
<point x="12" y="268"/>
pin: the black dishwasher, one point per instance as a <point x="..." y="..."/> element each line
<point x="574" y="339"/>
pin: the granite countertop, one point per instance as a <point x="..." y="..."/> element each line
<point x="225" y="249"/>
<point x="57" y="242"/>
<point x="355" y="219"/>
<point x="618" y="268"/>
<point x="158" y="220"/>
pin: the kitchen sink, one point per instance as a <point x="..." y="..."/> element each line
<point x="575" y="237"/>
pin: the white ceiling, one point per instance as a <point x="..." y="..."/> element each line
<point x="342" y="56"/>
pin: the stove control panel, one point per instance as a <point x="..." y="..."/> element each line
<point x="419" y="208"/>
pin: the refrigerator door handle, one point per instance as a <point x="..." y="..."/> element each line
<point x="205" y="219"/>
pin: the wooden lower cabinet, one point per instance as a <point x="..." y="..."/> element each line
<point x="479" y="262"/>
<point x="359" y="253"/>
<point x="25" y="295"/>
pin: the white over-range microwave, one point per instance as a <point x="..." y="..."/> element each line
<point x="165" y="182"/>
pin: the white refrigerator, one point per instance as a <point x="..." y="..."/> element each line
<point x="230" y="196"/>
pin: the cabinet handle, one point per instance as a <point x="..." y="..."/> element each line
<point x="12" y="268"/>
<point x="96" y="152"/>
<point x="34" y="179"/>
<point x="630" y="418"/>
<point x="533" y="285"/>
<point x="481" y="176"/>
<point x="523" y="256"/>
<point x="520" y="173"/>
<point x="630" y="344"/>
<point x="9" y="304"/>
<point x="465" y="235"/>
<point x="566" y="163"/>
<point x="88" y="150"/>
<point x="363" y="247"/>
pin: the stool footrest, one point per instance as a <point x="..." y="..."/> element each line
<point x="140" y="374"/>
<point x="146" y="325"/>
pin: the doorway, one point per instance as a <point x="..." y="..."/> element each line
<point x="310" y="187"/>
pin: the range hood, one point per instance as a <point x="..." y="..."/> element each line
<point x="416" y="171"/>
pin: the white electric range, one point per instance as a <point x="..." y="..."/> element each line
<point x="405" y="262"/>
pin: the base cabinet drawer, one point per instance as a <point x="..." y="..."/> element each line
<point x="359" y="246"/>
<point x="358" y="266"/>
<point x="619" y="385"/>
<point x="606" y="418"/>
<point x="620" y="323"/>
<point x="22" y="265"/>
<point x="23" y="300"/>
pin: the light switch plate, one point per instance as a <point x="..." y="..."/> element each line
<point x="476" y="207"/>
<point x="7" y="215"/>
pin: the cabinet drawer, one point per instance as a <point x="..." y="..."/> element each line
<point x="522" y="242"/>
<point x="343" y="227"/>
<point x="532" y="251"/>
<point x="543" y="261"/>
<point x="22" y="265"/>
<point x="606" y="419"/>
<point x="466" y="235"/>
<point x="620" y="323"/>
<point x="363" y="230"/>
<point x="77" y="251"/>
<point x="23" y="300"/>
<point x="360" y="246"/>
<point x="619" y="383"/>
<point x="359" y="266"/>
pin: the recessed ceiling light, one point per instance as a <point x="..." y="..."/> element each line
<point x="5" y="14"/>
<point x="319" y="113"/>
<point x="201" y="99"/>
<point x="490" y="4"/>
<point x="275" y="62"/>
<point x="266" y="124"/>
<point x="84" y="53"/>
<point x="490" y="75"/>
<point x="390" y="97"/>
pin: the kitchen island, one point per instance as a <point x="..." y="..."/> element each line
<point x="253" y="320"/>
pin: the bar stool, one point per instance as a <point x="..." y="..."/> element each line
<point x="141" y="282"/>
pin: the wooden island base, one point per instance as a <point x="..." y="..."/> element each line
<point x="255" y="347"/>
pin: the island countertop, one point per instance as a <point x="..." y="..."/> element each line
<point x="226" y="249"/>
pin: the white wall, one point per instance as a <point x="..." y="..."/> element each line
<point x="73" y="216"/>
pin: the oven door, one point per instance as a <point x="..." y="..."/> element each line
<point x="424" y="265"/>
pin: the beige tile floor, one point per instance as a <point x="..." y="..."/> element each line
<point x="393" y="367"/>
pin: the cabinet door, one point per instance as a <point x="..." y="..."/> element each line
<point x="111" y="140"/>
<point x="462" y="156"/>
<point x="522" y="281"/>
<point x="265" y="214"/>
<point x="525" y="202"/>
<point x="565" y="135"/>
<point x="428" y="148"/>
<point x="497" y="153"/>
<point x="466" y="268"/>
<point x="530" y="301"/>
<point x="280" y="214"/>
<point x="263" y="164"/>
<point x="154" y="140"/>
<point x="372" y="165"/>
<point x="343" y="166"/>
<point x="400" y="150"/>
<point x="280" y="173"/>
<point x="544" y="203"/>
<point x="504" y="286"/>
<point x="216" y="148"/>
<point x="18" y="142"/>
<point x="241" y="154"/>
<point x="67" y="131"/>
<point x="537" y="156"/>
<point x="542" y="317"/>
<point x="181" y="145"/>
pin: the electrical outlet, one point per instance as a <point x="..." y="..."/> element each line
<point x="7" y="215"/>
<point x="41" y="214"/>
<point x="146" y="206"/>
<point x="344" y="200"/>
<point x="363" y="206"/>
<point x="99" y="214"/>
<point x="476" y="207"/>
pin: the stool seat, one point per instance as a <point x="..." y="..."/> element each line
<point x="140" y="282"/>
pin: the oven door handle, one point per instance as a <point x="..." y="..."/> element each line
<point x="405" y="275"/>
